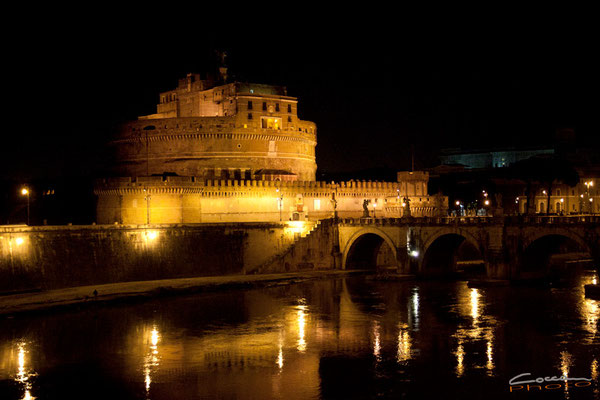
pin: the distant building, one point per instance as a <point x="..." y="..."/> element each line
<point x="480" y="159"/>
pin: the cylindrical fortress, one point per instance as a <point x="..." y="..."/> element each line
<point x="233" y="131"/>
<point x="214" y="148"/>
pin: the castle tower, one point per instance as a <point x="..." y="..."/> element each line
<point x="227" y="131"/>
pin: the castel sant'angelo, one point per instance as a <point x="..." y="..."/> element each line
<point x="219" y="151"/>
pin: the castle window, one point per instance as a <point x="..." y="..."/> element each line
<point x="249" y="115"/>
<point x="316" y="204"/>
<point x="264" y="106"/>
<point x="289" y="108"/>
<point x="277" y="107"/>
<point x="249" y="105"/>
<point x="289" y="119"/>
<point x="271" y="123"/>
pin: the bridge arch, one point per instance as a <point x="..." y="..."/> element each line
<point x="536" y="258"/>
<point x="442" y="251"/>
<point x="363" y="247"/>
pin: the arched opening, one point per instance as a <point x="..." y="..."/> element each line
<point x="452" y="256"/>
<point x="370" y="251"/>
<point x="555" y="258"/>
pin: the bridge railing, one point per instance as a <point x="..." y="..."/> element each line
<point x="553" y="219"/>
<point x="419" y="221"/>
<point x="508" y="220"/>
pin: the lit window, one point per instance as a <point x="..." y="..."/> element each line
<point x="317" y="204"/>
<point x="271" y="123"/>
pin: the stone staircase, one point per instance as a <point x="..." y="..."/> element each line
<point x="299" y="255"/>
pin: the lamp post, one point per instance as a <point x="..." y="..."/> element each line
<point x="25" y="192"/>
<point x="374" y="206"/>
<point x="589" y="184"/>
<point x="280" y="202"/>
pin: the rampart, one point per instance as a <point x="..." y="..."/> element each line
<point x="174" y="199"/>
<point x="54" y="257"/>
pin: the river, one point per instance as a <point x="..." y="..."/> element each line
<point x="320" y="339"/>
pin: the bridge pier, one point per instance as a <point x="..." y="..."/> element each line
<point x="496" y="265"/>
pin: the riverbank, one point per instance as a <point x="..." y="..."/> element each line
<point x="139" y="290"/>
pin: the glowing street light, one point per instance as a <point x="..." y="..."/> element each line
<point x="25" y="192"/>
<point x="374" y="206"/>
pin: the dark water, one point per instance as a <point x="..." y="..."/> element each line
<point x="340" y="338"/>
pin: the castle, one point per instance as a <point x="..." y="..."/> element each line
<point x="237" y="152"/>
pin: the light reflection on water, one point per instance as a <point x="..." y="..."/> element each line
<point x="318" y="339"/>
<point x="24" y="374"/>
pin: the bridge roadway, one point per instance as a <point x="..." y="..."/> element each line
<point x="515" y="247"/>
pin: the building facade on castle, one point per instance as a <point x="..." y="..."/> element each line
<point x="237" y="152"/>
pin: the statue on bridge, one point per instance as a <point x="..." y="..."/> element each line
<point x="366" y="208"/>
<point x="334" y="205"/>
<point x="406" y="211"/>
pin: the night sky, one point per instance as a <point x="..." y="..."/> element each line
<point x="373" y="92"/>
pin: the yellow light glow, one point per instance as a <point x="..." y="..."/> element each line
<point x="566" y="361"/>
<point x="151" y="360"/>
<point x="19" y="241"/>
<point x="404" y="344"/>
<point x="151" y="235"/>
<point x="475" y="305"/>
<point x="487" y="202"/>
<point x="591" y="314"/>
<point x="23" y="376"/>
<point x="490" y="353"/>
<point x="154" y="337"/>
<point x="562" y="200"/>
<point x="415" y="310"/>
<point x="376" y="342"/>
<point x="460" y="357"/>
<point x="301" y="319"/>
<point x="279" y="361"/>
<point x="24" y="191"/>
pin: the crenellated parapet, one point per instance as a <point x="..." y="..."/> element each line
<point x="175" y="199"/>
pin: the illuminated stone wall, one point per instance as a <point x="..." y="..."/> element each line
<point x="173" y="200"/>
<point x="56" y="257"/>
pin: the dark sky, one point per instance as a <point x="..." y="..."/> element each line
<point x="372" y="90"/>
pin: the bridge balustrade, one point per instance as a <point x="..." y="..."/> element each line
<point x="511" y="220"/>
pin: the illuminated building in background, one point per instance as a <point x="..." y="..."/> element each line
<point x="237" y="152"/>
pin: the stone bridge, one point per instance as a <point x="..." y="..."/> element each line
<point x="517" y="247"/>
